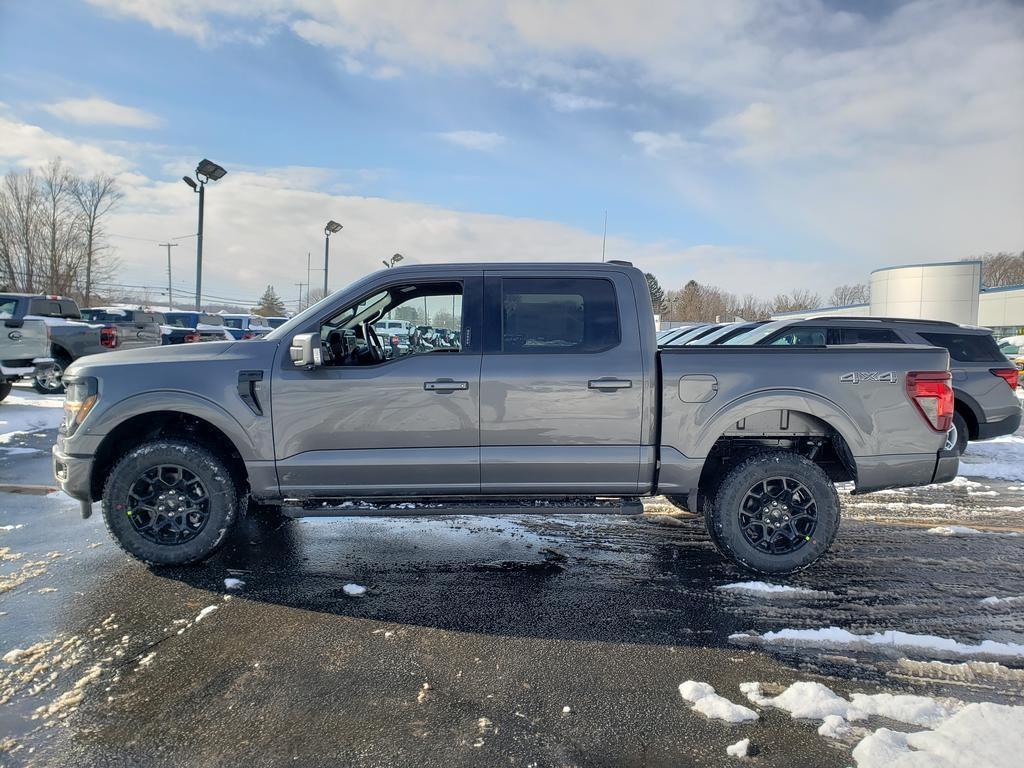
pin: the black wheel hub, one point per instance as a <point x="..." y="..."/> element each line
<point x="778" y="515"/>
<point x="168" y="504"/>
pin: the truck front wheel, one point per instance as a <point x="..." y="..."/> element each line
<point x="170" y="502"/>
<point x="775" y="512"/>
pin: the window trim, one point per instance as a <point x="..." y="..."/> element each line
<point x="494" y="314"/>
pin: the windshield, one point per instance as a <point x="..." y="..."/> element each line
<point x="694" y="333"/>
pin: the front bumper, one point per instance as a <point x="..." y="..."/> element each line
<point x="1006" y="426"/>
<point x="23" y="369"/>
<point x="73" y="474"/>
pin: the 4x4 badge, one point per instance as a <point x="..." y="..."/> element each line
<point x="857" y="377"/>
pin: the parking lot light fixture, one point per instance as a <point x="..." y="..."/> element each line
<point x="329" y="229"/>
<point x="207" y="170"/>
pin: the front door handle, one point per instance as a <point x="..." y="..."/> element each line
<point x="609" y="384"/>
<point x="445" y="385"/>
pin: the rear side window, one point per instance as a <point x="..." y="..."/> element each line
<point x="7" y="307"/>
<point x="967" y="347"/>
<point x="801" y="336"/>
<point x="558" y="315"/>
<point x="44" y="308"/>
<point x="869" y="336"/>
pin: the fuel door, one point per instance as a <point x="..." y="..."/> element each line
<point x="697" y="388"/>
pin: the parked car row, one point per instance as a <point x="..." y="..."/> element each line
<point x="985" y="407"/>
<point x="44" y="334"/>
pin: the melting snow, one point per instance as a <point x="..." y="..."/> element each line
<point x="766" y="589"/>
<point x="354" y="590"/>
<point x="963" y="530"/>
<point x="711" y="705"/>
<point x="233" y="583"/>
<point x="834" y="637"/>
<point x="24" y="412"/>
<point x="1002" y="600"/>
<point x="205" y="612"/>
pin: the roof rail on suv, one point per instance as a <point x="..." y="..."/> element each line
<point x="861" y="318"/>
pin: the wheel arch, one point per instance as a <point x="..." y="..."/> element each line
<point x="968" y="409"/>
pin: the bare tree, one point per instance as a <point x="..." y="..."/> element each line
<point x="844" y="295"/>
<point x="60" y="225"/>
<point x="797" y="300"/>
<point x="19" y="229"/>
<point x="999" y="269"/>
<point x="95" y="198"/>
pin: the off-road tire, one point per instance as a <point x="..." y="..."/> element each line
<point x="723" y="513"/>
<point x="226" y="501"/>
<point x="5" y="389"/>
<point x="62" y="362"/>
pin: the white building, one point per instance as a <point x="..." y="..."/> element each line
<point x="952" y="291"/>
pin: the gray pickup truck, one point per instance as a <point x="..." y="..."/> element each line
<point x="24" y="346"/>
<point x="556" y="390"/>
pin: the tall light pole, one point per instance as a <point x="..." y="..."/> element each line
<point x="392" y="261"/>
<point x="207" y="170"/>
<point x="331" y="227"/>
<point x="170" y="296"/>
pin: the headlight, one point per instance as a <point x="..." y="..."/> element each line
<point x="79" y="398"/>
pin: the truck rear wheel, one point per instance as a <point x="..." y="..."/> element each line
<point x="5" y="389"/>
<point x="50" y="381"/>
<point x="170" y="502"/>
<point x="775" y="512"/>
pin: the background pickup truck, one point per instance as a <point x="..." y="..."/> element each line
<point x="557" y="389"/>
<point x="72" y="336"/>
<point x="24" y="346"/>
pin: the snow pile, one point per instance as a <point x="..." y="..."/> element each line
<point x="806" y="700"/>
<point x="765" y="589"/>
<point x="739" y="749"/>
<point x="834" y="637"/>
<point x="23" y="412"/>
<point x="1001" y="458"/>
<point x="990" y="735"/>
<point x="204" y="613"/>
<point x="834" y="727"/>
<point x="907" y="708"/>
<point x="354" y="590"/>
<point x="704" y="700"/>
<point x="963" y="530"/>
<point x="231" y="583"/>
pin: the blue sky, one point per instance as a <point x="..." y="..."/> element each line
<point x="760" y="146"/>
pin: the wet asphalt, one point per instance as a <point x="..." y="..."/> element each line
<point x="547" y="641"/>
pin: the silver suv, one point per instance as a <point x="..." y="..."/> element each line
<point x="984" y="380"/>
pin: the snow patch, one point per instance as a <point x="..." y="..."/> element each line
<point x="205" y="612"/>
<point x="1002" y="600"/>
<point x="835" y="637"/>
<point x="806" y="700"/>
<point x="231" y="583"/>
<point x="834" y="727"/>
<point x="765" y="589"/>
<point x="739" y="749"/>
<point x="963" y="530"/>
<point x="354" y="590"/>
<point x="704" y="700"/>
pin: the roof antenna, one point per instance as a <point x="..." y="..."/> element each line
<point x="604" y="237"/>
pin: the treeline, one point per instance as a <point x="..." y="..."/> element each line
<point x="51" y="231"/>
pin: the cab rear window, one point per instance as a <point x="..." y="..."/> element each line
<point x="967" y="347"/>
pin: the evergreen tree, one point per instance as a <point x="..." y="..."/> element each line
<point x="270" y="304"/>
<point x="657" y="293"/>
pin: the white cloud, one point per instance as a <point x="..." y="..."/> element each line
<point x="29" y="146"/>
<point x="655" y="144"/>
<point x="482" y="141"/>
<point x="96" y="111"/>
<point x="575" y="102"/>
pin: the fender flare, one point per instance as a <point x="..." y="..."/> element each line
<point x="177" y="402"/>
<point x="851" y="431"/>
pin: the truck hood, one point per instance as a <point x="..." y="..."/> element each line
<point x="109" y="362"/>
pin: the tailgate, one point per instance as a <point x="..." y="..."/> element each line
<point x="23" y="340"/>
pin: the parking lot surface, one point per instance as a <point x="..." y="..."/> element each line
<point x="536" y="640"/>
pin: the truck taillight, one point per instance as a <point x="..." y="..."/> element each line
<point x="932" y="393"/>
<point x="1009" y="375"/>
<point x="191" y="338"/>
<point x="248" y="335"/>
<point x="108" y="337"/>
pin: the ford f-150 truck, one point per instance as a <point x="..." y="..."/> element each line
<point x="556" y="389"/>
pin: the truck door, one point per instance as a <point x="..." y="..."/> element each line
<point x="371" y="424"/>
<point x="561" y="393"/>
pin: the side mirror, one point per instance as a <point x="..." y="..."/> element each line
<point x="305" y="350"/>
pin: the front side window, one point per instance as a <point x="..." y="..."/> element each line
<point x="233" y="322"/>
<point x="558" y="315"/>
<point x="404" y="320"/>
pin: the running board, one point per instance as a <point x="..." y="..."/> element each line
<point x="483" y="508"/>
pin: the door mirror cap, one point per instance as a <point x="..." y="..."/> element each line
<point x="305" y="350"/>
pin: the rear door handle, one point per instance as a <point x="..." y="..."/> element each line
<point x="445" y="385"/>
<point x="609" y="384"/>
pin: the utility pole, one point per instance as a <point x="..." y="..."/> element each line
<point x="308" y="283"/>
<point x="170" y="296"/>
<point x="604" y="237"/>
<point x="300" y="294"/>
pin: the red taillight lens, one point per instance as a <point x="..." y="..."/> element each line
<point x="1009" y="375"/>
<point x="932" y="393"/>
<point x="191" y="338"/>
<point x="394" y="340"/>
<point x="247" y="335"/>
<point x="108" y="337"/>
